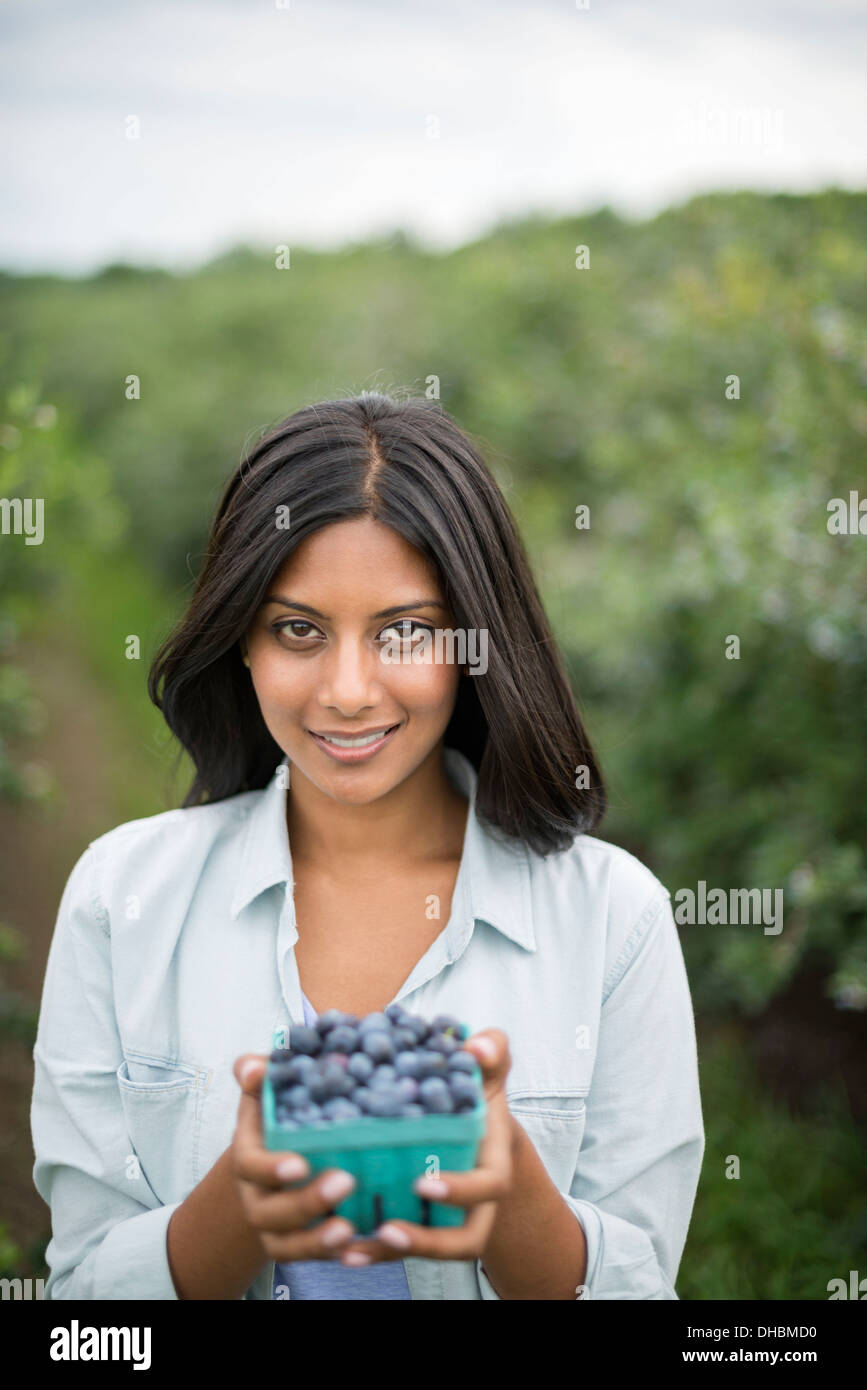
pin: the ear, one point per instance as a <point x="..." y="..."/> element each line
<point x="244" y="657"/>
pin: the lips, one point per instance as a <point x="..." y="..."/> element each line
<point x="351" y="738"/>
<point x="356" y="752"/>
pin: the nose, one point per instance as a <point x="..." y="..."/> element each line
<point x="351" y="674"/>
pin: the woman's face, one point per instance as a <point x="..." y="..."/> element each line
<point x="315" y="650"/>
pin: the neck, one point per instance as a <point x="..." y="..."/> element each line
<point x="423" y="818"/>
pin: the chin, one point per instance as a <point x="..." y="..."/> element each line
<point x="361" y="794"/>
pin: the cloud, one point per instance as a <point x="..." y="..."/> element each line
<point x="325" y="122"/>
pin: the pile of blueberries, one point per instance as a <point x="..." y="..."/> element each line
<point x="385" y="1064"/>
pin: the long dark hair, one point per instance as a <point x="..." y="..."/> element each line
<point x="407" y="464"/>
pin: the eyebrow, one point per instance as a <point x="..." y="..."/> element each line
<point x="384" y="613"/>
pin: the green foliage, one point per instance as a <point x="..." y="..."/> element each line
<point x="57" y="592"/>
<point x="19" y="718"/>
<point x="605" y="387"/>
<point x="39" y="461"/>
<point x="9" y="1253"/>
<point x="708" y="518"/>
<point x="28" y="1263"/>
<point x="42" y="458"/>
<point x="794" y="1217"/>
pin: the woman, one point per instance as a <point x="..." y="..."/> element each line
<point x="365" y="674"/>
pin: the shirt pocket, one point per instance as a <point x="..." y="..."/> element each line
<point x="162" y="1107"/>
<point x="555" y="1125"/>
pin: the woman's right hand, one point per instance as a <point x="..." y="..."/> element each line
<point x="279" y="1216"/>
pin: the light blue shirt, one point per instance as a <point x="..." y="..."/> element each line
<point x="173" y="954"/>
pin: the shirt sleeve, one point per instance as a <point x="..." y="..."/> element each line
<point x="108" y="1229"/>
<point x="637" y="1173"/>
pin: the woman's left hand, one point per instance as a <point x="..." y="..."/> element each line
<point x="478" y="1189"/>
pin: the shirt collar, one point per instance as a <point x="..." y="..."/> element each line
<point x="495" y="872"/>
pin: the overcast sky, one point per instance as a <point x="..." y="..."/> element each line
<point x="319" y="122"/>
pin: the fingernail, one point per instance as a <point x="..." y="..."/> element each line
<point x="394" y="1236"/>
<point x="431" y="1187"/>
<point x="248" y="1068"/>
<point x="336" y="1185"/>
<point x="486" y="1046"/>
<point x="337" y="1235"/>
<point x="289" y="1168"/>
<point x="355" y="1257"/>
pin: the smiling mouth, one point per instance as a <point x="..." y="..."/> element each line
<point x="355" y="740"/>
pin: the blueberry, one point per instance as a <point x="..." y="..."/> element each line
<point x="432" y="1086"/>
<point x="301" y="1067"/>
<point x="339" y="1108"/>
<point x="378" y="1045"/>
<point x="384" y="1075"/>
<point x="318" y="1089"/>
<point x="281" y="1074"/>
<point x="337" y="1079"/>
<point x="465" y="1092"/>
<point x="434" y="1095"/>
<point x="443" y="1022"/>
<point x="389" y="1063"/>
<point x="463" y="1062"/>
<point x="417" y="1026"/>
<point x="407" y="1063"/>
<point x="360" y="1066"/>
<point x="385" y="1102"/>
<point x="310" y="1112"/>
<point x="330" y="1019"/>
<point x="375" y="1022"/>
<point x="464" y="1105"/>
<point x="382" y="1102"/>
<point x="441" y="1104"/>
<point x="303" y="1039"/>
<point x="341" y="1038"/>
<point x="432" y="1064"/>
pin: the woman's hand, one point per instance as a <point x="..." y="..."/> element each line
<point x="277" y="1215"/>
<point x="479" y="1189"/>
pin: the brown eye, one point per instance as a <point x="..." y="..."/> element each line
<point x="402" y="629"/>
<point x="294" y="623"/>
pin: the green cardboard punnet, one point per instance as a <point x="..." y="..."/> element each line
<point x="385" y="1156"/>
